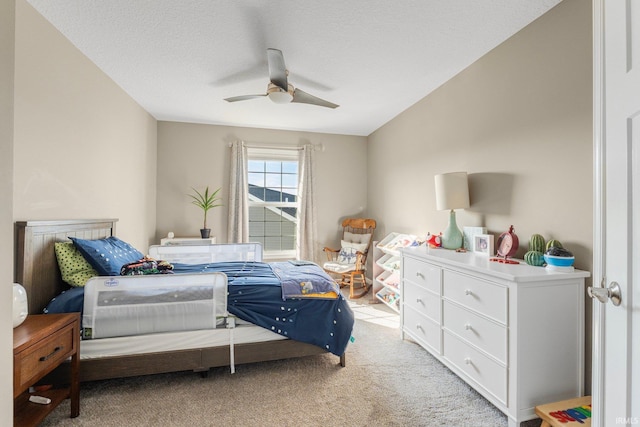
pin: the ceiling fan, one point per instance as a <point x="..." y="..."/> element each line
<point x="279" y="89"/>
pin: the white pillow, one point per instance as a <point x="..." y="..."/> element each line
<point x="356" y="237"/>
<point x="348" y="251"/>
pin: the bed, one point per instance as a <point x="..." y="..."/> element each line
<point x="37" y="270"/>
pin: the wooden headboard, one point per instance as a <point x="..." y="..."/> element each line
<point x="36" y="265"/>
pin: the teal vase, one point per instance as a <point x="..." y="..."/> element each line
<point x="452" y="236"/>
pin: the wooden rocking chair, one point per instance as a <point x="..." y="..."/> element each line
<point x="347" y="264"/>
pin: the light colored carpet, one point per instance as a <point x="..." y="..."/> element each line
<point x="387" y="382"/>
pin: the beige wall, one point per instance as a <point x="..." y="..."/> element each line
<point x="195" y="155"/>
<point x="72" y="145"/>
<point x="83" y="147"/>
<point x="519" y="121"/>
<point x="7" y="26"/>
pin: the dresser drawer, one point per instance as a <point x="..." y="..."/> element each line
<point x="421" y="273"/>
<point x="422" y="300"/>
<point x="477" y="330"/>
<point x="487" y="373"/>
<point x="424" y="330"/>
<point x="487" y="298"/>
<point x="39" y="359"/>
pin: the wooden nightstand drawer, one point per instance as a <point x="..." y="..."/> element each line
<point x="41" y="344"/>
<point x="42" y="357"/>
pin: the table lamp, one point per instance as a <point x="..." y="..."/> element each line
<point x="452" y="192"/>
<point x="20" y="304"/>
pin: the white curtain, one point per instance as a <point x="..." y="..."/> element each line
<point x="306" y="244"/>
<point x="238" y="224"/>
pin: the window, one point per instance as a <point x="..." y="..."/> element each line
<point x="273" y="207"/>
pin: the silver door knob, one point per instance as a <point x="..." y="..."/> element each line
<point x="603" y="294"/>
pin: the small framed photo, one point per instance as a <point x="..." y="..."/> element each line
<point x="469" y="233"/>
<point x="483" y="244"/>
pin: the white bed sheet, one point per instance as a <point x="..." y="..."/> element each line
<point x="243" y="333"/>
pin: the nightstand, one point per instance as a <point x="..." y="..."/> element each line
<point x="41" y="344"/>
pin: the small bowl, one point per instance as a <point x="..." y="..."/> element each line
<point x="559" y="261"/>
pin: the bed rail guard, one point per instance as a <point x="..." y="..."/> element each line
<point x="202" y="254"/>
<point x="135" y="305"/>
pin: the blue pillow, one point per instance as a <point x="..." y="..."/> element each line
<point x="69" y="301"/>
<point x="108" y="255"/>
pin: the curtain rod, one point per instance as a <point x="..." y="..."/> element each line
<point x="318" y="147"/>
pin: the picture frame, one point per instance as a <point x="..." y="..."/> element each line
<point x="469" y="233"/>
<point x="483" y="244"/>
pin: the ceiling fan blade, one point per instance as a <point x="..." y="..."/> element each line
<point x="277" y="69"/>
<point x="244" y="97"/>
<point x="305" y="98"/>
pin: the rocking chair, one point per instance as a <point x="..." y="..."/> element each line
<point x="347" y="264"/>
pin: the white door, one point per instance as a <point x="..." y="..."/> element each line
<point x="616" y="332"/>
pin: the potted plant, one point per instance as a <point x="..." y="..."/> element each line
<point x="205" y="201"/>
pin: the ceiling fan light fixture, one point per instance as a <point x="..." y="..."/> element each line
<point x="279" y="90"/>
<point x="279" y="95"/>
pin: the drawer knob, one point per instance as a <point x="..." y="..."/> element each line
<point x="468" y="327"/>
<point x="420" y="275"/>
<point x="418" y="326"/>
<point x="418" y="299"/>
<point x="53" y="353"/>
<point x="467" y="360"/>
<point x="468" y="292"/>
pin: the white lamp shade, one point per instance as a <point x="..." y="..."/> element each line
<point x="452" y="191"/>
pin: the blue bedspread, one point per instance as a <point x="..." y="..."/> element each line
<point x="296" y="279"/>
<point x="255" y="295"/>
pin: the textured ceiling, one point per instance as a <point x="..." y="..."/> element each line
<point x="375" y="58"/>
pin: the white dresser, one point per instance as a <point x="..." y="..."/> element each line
<point x="515" y="333"/>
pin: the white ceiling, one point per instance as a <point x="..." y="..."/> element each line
<point x="179" y="59"/>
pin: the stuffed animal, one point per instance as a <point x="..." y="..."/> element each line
<point x="307" y="287"/>
<point x="434" y="241"/>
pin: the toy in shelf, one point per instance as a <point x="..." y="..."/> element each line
<point x="387" y="265"/>
<point x="393" y="280"/>
<point x="392" y="264"/>
<point x="396" y="242"/>
<point x="392" y="299"/>
<point x="388" y="278"/>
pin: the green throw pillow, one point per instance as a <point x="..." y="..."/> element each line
<point x="76" y="271"/>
